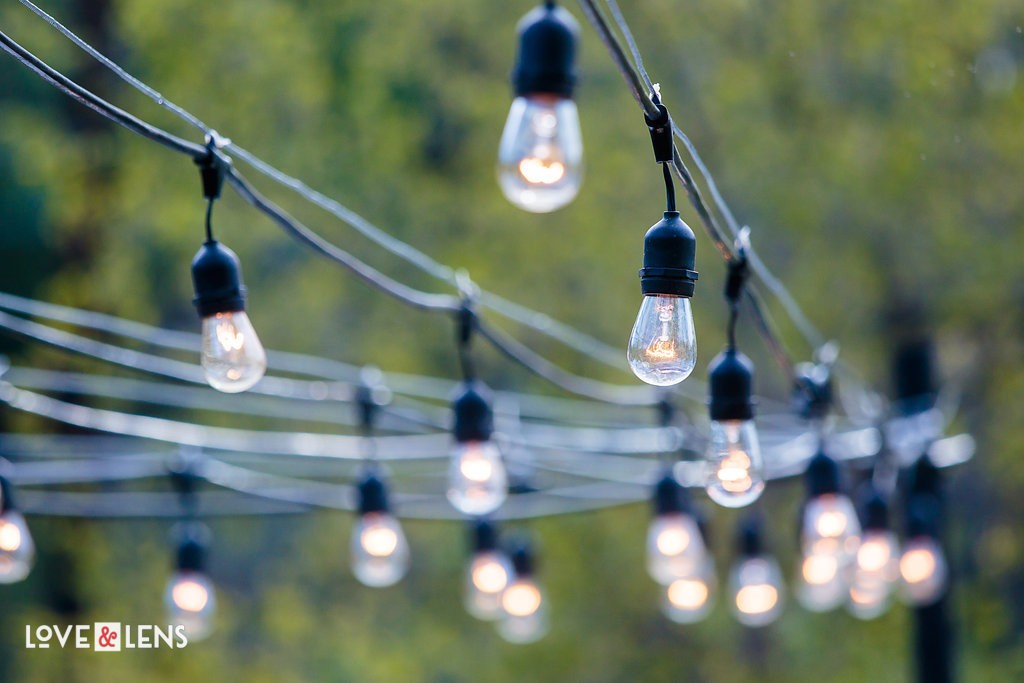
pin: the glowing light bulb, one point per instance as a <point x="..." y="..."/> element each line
<point x="525" y="614"/>
<point x="756" y="587"/>
<point x="923" y="571"/>
<point x="830" y="527"/>
<point x="17" y="550"/>
<point x="488" y="575"/>
<point x="735" y="467"/>
<point x="675" y="548"/>
<point x="823" y="584"/>
<point x="477" y="481"/>
<point x="689" y="599"/>
<point x="540" y="158"/>
<point x="233" y="359"/>
<point x="190" y="602"/>
<point x="380" y="553"/>
<point x="663" y="345"/>
<point x="874" y="572"/>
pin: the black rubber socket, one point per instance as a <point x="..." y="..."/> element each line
<point x="669" y="255"/>
<point x="522" y="559"/>
<point x="192" y="544"/>
<point x="546" y="56"/>
<point x="749" y="541"/>
<point x="217" y="279"/>
<point x="875" y="512"/>
<point x="669" y="496"/>
<point x="474" y="420"/>
<point x="483" y="535"/>
<point x="822" y="475"/>
<point x="6" y="495"/>
<point x="731" y="383"/>
<point x="373" y="495"/>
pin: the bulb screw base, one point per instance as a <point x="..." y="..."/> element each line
<point x="669" y="255"/>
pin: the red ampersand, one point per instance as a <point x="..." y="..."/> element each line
<point x="107" y="637"/>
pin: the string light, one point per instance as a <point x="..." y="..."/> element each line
<point x="17" y="550"/>
<point x="875" y="565"/>
<point x="829" y="538"/>
<point x="755" y="583"/>
<point x="675" y="546"/>
<point x="525" y="613"/>
<point x="189" y="596"/>
<point x="477" y="480"/>
<point x="233" y="358"/>
<point x="379" y="550"/>
<point x="541" y="153"/>
<point x="663" y="345"/>
<point x="924" y="571"/>
<point x="488" y="574"/>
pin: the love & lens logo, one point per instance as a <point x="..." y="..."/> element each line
<point x="106" y="636"/>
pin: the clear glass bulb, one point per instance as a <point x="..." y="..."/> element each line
<point x="756" y="589"/>
<point x="823" y="585"/>
<point x="17" y="551"/>
<point x="675" y="548"/>
<point x="233" y="358"/>
<point x="380" y="553"/>
<point x="540" y="158"/>
<point x="477" y="481"/>
<point x="524" y="618"/>
<point x="831" y="527"/>
<point x="663" y="346"/>
<point x="486" y="579"/>
<point x="875" y="569"/>
<point x="690" y="598"/>
<point x="190" y="602"/>
<point x="735" y="470"/>
<point x="923" y="571"/>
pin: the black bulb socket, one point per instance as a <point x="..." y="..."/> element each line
<point x="670" y="250"/>
<point x="822" y="475"/>
<point x="522" y="559"/>
<point x="474" y="420"/>
<point x="874" y="511"/>
<point x="923" y="514"/>
<point x="6" y="495"/>
<point x="193" y="540"/>
<point x="217" y="279"/>
<point x="749" y="540"/>
<point x="670" y="497"/>
<point x="925" y="477"/>
<point x="483" y="535"/>
<point x="546" y="55"/>
<point x="373" y="494"/>
<point x="731" y="384"/>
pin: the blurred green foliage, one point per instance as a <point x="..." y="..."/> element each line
<point x="875" y="148"/>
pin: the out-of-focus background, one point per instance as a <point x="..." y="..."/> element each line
<point x="876" y="149"/>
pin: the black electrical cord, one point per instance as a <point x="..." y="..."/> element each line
<point x="670" y="190"/>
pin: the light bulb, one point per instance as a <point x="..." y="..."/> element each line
<point x="233" y="359"/>
<point x="477" y="481"/>
<point x="756" y="589"/>
<point x="524" y="618"/>
<point x="822" y="584"/>
<point x="486" y="579"/>
<point x="874" y="572"/>
<point x="190" y="602"/>
<point x="735" y="467"/>
<point x="541" y="153"/>
<point x="675" y="548"/>
<point x="379" y="553"/>
<point x="923" y="571"/>
<point x="830" y="527"/>
<point x="688" y="599"/>
<point x="17" y="551"/>
<point x="663" y="345"/>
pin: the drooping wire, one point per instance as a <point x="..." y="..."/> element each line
<point x="209" y="215"/>
<point x="670" y="190"/>
<point x="535" y="320"/>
